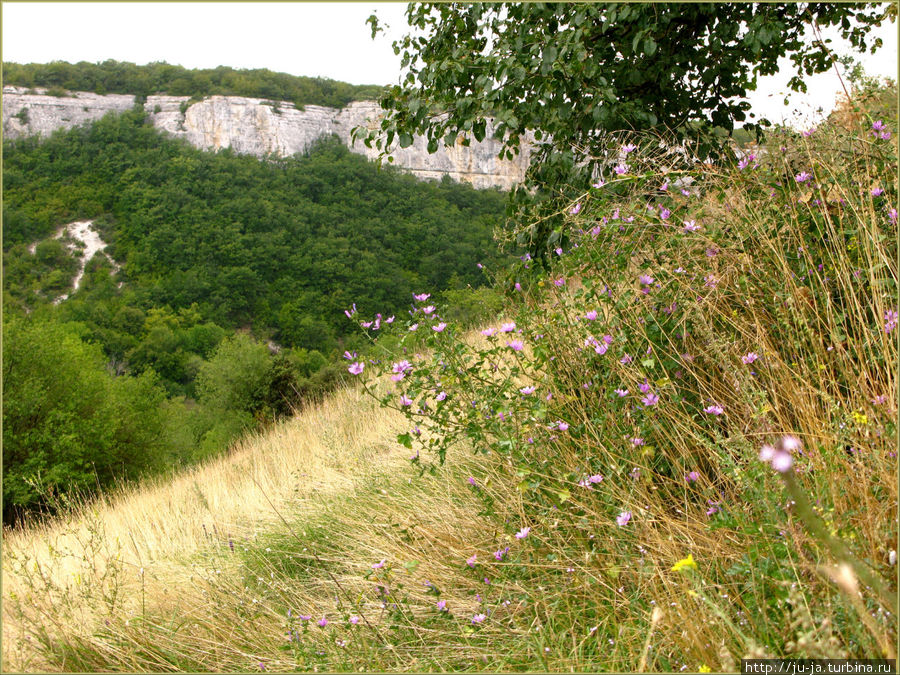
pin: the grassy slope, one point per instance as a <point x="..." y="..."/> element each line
<point x="580" y="593"/>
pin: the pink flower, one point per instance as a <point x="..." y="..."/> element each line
<point x="562" y="426"/>
<point x="405" y="400"/>
<point x="591" y="316"/>
<point x="487" y="332"/>
<point x="621" y="393"/>
<point x="356" y="368"/>
<point x="441" y="396"/>
<point x="439" y="328"/>
<point x="478" y="618"/>
<point x="782" y="462"/>
<point x="590" y="480"/>
<point x="441" y="605"/>
<point x="378" y="565"/>
<point x="692" y="477"/>
<point x="802" y="177"/>
<point x="515" y="345"/>
<point x="499" y="553"/>
<point x="354" y="620"/>
<point x="645" y="279"/>
<point x="623" y="518"/>
<point x="749" y="357"/>
<point x="527" y="390"/>
<point x="322" y="622"/>
<point x="689" y="226"/>
<point x="650" y="400"/>
<point x="766" y="453"/>
<point x="575" y="209"/>
<point x="890" y="320"/>
<point x="428" y="310"/>
<point x="507" y="327"/>
<point x="413" y="327"/>
<point x="626" y="359"/>
<point x="714" y="409"/>
<point x="637" y="441"/>
<point x="518" y="286"/>
<point x="521" y="534"/>
<point x="471" y="561"/>
<point x="791" y="443"/>
<point x="423" y="297"/>
<point x="559" y="282"/>
<point x="621" y="169"/>
<point x="664" y="213"/>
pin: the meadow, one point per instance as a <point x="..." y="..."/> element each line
<point x="674" y="448"/>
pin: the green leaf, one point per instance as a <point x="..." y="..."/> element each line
<point x="405" y="440"/>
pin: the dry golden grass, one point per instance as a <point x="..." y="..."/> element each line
<point x="157" y="526"/>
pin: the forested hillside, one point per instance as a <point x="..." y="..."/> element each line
<point x="117" y="77"/>
<point x="214" y="255"/>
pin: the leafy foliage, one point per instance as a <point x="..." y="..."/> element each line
<point x="117" y="77"/>
<point x="208" y="244"/>
<point x="570" y="71"/>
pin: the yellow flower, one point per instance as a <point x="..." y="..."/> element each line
<point x="685" y="563"/>
<point x="860" y="418"/>
<point x="705" y="669"/>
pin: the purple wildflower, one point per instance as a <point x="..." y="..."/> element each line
<point x="575" y="209"/>
<point x="692" y="477"/>
<point x="623" y="518"/>
<point x="890" y="320"/>
<point x="802" y="177"/>
<point x="650" y="400"/>
<point x="471" y="561"/>
<point x="439" y="328"/>
<point x="521" y="534"/>
<point x="749" y="357"/>
<point x="356" y="368"/>
<point x="423" y="297"/>
<point x="516" y="345"/>
<point x="622" y="392"/>
<point x="714" y="409"/>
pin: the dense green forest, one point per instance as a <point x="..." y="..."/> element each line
<point x="117" y="77"/>
<point x="162" y="359"/>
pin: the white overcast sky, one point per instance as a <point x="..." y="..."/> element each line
<point x="324" y="39"/>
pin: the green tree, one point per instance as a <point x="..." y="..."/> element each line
<point x="568" y="71"/>
<point x="237" y="377"/>
<point x="67" y="425"/>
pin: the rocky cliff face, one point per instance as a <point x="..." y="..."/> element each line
<point x="259" y="127"/>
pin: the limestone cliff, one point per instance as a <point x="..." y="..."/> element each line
<point x="259" y="127"/>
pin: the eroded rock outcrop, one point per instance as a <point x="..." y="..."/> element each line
<point x="260" y="127"/>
